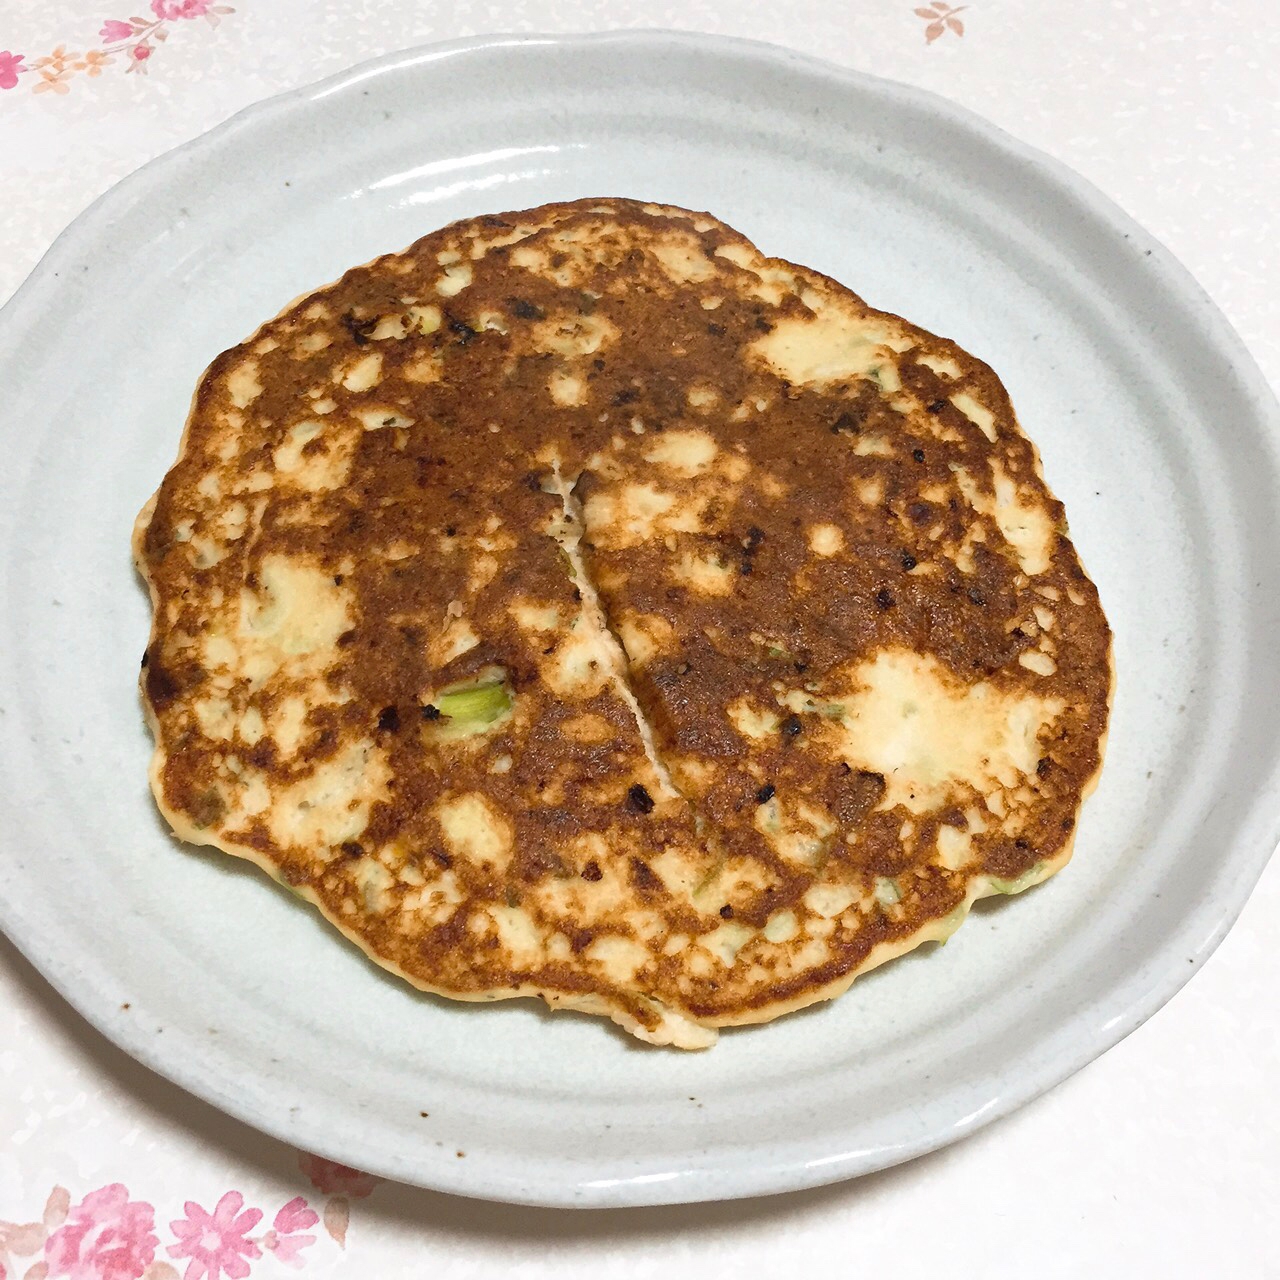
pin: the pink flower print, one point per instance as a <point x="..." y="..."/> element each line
<point x="288" y="1248"/>
<point x="216" y="1242"/>
<point x="113" y="31"/>
<point x="287" y="1239"/>
<point x="333" y="1178"/>
<point x="106" y="1236"/>
<point x="10" y="68"/>
<point x="297" y="1215"/>
<point x="143" y="52"/>
<point x="173" y="9"/>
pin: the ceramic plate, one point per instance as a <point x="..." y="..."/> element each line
<point x="1157" y="431"/>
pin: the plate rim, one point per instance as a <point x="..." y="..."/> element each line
<point x="1132" y="1002"/>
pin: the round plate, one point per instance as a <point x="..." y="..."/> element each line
<point x="1157" y="431"/>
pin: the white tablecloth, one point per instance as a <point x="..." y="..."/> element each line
<point x="1162" y="1159"/>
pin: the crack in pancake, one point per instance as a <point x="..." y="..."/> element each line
<point x="570" y="539"/>
<point x="580" y="604"/>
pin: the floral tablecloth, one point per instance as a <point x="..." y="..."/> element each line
<point x="1161" y="1159"/>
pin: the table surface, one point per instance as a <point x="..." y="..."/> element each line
<point x="1162" y="1158"/>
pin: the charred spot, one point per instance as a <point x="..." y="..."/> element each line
<point x="918" y="454"/>
<point x="460" y="329"/>
<point x="346" y="638"/>
<point x="579" y="939"/>
<point x="358" y="329"/>
<point x="909" y="561"/>
<point x="642" y="877"/>
<point x="884" y="599"/>
<point x="766" y="793"/>
<point x="450" y="531"/>
<point x="920" y="512"/>
<point x="791" y="727"/>
<point x="339" y="579"/>
<point x="431" y="712"/>
<point x="726" y="912"/>
<point x="351" y="849"/>
<point x="591" y="871"/>
<point x="846" y="423"/>
<point x="763" y="325"/>
<point x="856" y="794"/>
<point x="1043" y="765"/>
<point x="523" y="309"/>
<point x="976" y="597"/>
<point x="626" y="395"/>
<point x="532" y="482"/>
<point x="388" y="720"/>
<point x="936" y="406"/>
<point x="262" y="755"/>
<point x="442" y="859"/>
<point x="639" y="800"/>
<point x="716" y="330"/>
<point x="162" y="685"/>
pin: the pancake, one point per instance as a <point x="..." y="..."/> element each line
<point x="582" y="605"/>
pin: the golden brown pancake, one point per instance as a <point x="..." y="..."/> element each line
<point x="580" y="604"/>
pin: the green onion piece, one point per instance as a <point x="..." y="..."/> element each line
<point x="479" y="704"/>
<point x="1032" y="875"/>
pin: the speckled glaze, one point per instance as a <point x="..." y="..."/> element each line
<point x="1121" y="370"/>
